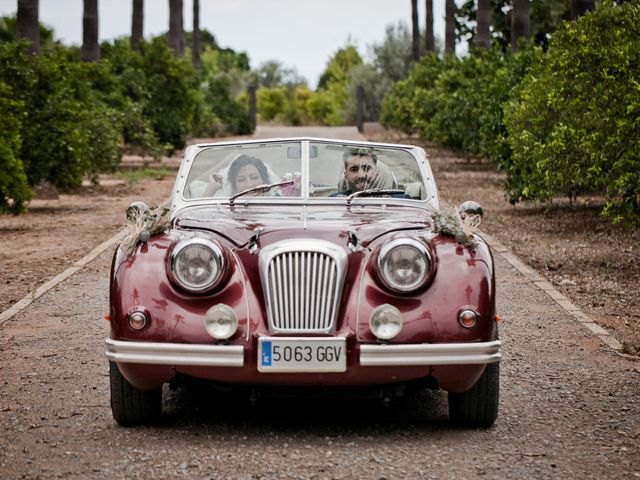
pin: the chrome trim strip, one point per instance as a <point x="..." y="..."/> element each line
<point x="430" y="354"/>
<point x="151" y="353"/>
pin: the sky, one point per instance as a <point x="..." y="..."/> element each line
<point x="302" y="34"/>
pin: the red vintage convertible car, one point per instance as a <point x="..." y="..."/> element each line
<point x="310" y="264"/>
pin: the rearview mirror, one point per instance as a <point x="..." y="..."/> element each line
<point x="295" y="153"/>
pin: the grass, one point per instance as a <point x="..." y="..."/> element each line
<point x="133" y="176"/>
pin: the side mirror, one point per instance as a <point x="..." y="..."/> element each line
<point x="136" y="210"/>
<point x="471" y="210"/>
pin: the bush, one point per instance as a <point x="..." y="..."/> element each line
<point x="407" y="103"/>
<point x="270" y="102"/>
<point x="66" y="130"/>
<point x="171" y="85"/>
<point x="233" y="113"/>
<point x="573" y="126"/>
<point x="375" y="86"/>
<point x="466" y="101"/>
<point x="327" y="104"/>
<point x="14" y="189"/>
<point x="124" y="88"/>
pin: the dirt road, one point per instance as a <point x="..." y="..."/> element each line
<point x="569" y="408"/>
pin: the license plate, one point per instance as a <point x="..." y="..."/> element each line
<point x="279" y="354"/>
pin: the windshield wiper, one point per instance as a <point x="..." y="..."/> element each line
<point x="261" y="188"/>
<point x="371" y="192"/>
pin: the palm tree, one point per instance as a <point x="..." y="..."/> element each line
<point x="137" y="24"/>
<point x="450" y="27"/>
<point x="520" y="23"/>
<point x="580" y="7"/>
<point x="483" y="35"/>
<point x="195" y="47"/>
<point x="90" y="51"/>
<point x="429" y="40"/>
<point x="176" y="29"/>
<point x="28" y="24"/>
<point x="415" y="44"/>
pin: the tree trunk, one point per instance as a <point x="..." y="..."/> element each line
<point x="580" y="7"/>
<point x="27" y="24"/>
<point x="195" y="47"/>
<point x="483" y="34"/>
<point x="415" y="44"/>
<point x="429" y="39"/>
<point x="520" y="23"/>
<point x="176" y="28"/>
<point x="450" y="28"/>
<point x="90" y="51"/>
<point x="137" y="24"/>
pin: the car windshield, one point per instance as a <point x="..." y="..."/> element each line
<point x="342" y="170"/>
<point x="335" y="170"/>
<point x="225" y="171"/>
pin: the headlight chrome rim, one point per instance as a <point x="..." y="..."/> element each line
<point x="411" y="243"/>
<point x="217" y="256"/>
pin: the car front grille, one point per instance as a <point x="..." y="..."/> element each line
<point x="303" y="284"/>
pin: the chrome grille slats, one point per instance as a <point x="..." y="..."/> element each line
<point x="302" y="281"/>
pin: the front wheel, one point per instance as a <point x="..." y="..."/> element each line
<point x="131" y="406"/>
<point x="477" y="407"/>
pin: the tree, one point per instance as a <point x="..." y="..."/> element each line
<point x="545" y="17"/>
<point x="580" y="7"/>
<point x="483" y="34"/>
<point x="520" y="23"/>
<point x="28" y="26"/>
<point x="450" y="28"/>
<point x="90" y="50"/>
<point x="429" y="39"/>
<point x="8" y="33"/>
<point x="392" y="58"/>
<point x="195" y="46"/>
<point x="137" y="24"/>
<point x="415" y="45"/>
<point x="272" y="74"/>
<point x="176" y="28"/>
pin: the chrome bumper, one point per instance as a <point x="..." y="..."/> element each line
<point x="430" y="354"/>
<point x="175" y="354"/>
<point x="370" y="355"/>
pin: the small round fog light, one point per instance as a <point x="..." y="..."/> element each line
<point x="385" y="322"/>
<point x="468" y="318"/>
<point x="137" y="320"/>
<point x="220" y="321"/>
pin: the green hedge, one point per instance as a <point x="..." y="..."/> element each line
<point x="65" y="130"/>
<point x="573" y="125"/>
<point x="14" y="188"/>
<point x="561" y="123"/>
<point x="62" y="120"/>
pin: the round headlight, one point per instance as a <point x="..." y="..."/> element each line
<point x="385" y="322"/>
<point x="404" y="265"/>
<point x="221" y="322"/>
<point x="196" y="264"/>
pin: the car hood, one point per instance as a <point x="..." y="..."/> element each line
<point x="367" y="222"/>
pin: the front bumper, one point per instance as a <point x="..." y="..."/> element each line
<point x="430" y="354"/>
<point x="149" y="353"/>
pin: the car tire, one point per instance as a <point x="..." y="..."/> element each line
<point x="477" y="407"/>
<point x="131" y="406"/>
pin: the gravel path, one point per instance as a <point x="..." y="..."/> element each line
<point x="569" y="408"/>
